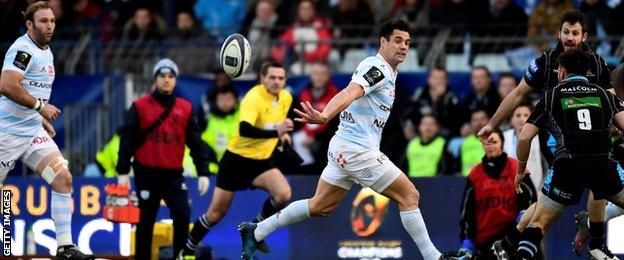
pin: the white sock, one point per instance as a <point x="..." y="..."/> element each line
<point x="415" y="225"/>
<point x="293" y="213"/>
<point x="612" y="211"/>
<point x="61" y="215"/>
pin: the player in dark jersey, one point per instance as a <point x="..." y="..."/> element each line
<point x="578" y="114"/>
<point x="540" y="76"/>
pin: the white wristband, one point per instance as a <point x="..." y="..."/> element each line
<point x="38" y="105"/>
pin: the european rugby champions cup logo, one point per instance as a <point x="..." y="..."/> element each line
<point x="367" y="212"/>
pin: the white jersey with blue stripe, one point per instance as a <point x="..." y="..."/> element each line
<point x="363" y="120"/>
<point x="37" y="66"/>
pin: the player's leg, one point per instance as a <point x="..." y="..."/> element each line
<point x="546" y="212"/>
<point x="274" y="182"/>
<point x="176" y="198"/>
<point x="330" y="190"/>
<point x="404" y="193"/>
<point x="44" y="157"/>
<point x="590" y="225"/>
<point x="221" y="200"/>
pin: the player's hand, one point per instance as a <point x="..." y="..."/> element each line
<point x="203" y="182"/>
<point x="285" y="127"/>
<point x="485" y="134"/>
<point x="49" y="128"/>
<point x="123" y="180"/>
<point x="310" y="115"/>
<point x="286" y="139"/>
<point x="50" y="112"/>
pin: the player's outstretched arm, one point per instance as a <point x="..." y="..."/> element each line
<point x="505" y="109"/>
<point x="338" y="103"/>
<point x="529" y="131"/>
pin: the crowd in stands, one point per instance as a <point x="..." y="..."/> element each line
<point x="306" y="31"/>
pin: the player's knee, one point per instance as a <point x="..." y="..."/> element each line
<point x="410" y="199"/>
<point x="64" y="180"/>
<point x="282" y="198"/>
<point x="215" y="215"/>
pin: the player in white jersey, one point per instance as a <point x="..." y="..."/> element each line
<point x="25" y="116"/>
<point x="353" y="155"/>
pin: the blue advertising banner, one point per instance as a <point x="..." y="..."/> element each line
<point x="364" y="226"/>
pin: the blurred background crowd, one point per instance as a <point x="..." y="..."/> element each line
<point x="432" y="126"/>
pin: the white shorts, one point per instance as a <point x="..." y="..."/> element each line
<point x="350" y="163"/>
<point x="29" y="149"/>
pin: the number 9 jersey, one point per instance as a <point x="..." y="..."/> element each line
<point x="578" y="114"/>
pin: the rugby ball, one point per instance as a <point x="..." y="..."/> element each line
<point x="235" y="55"/>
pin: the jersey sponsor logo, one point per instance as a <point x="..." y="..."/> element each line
<point x="533" y="66"/>
<point x="41" y="140"/>
<point x="384" y="108"/>
<point x="579" y="89"/>
<point x="492" y="202"/>
<point x="166" y="138"/>
<point x="346" y="116"/>
<point x="379" y="124"/>
<point x="576" y="102"/>
<point x="373" y="76"/>
<point x="49" y="69"/>
<point x="39" y="84"/>
<point x="590" y="74"/>
<point x="21" y="60"/>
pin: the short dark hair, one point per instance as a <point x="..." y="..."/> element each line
<point x="507" y="75"/>
<point x="572" y="17"/>
<point x="270" y="64"/>
<point x="574" y="62"/>
<point x="33" y="8"/>
<point x="393" y="24"/>
<point x="481" y="67"/>
<point x="500" y="134"/>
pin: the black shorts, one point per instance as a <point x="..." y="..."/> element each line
<point x="568" y="177"/>
<point x="237" y="172"/>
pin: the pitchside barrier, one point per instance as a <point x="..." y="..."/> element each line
<point x="364" y="226"/>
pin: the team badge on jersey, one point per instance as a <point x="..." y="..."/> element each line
<point x="21" y="60"/>
<point x="373" y="76"/>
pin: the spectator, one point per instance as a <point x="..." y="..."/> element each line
<point x="416" y="12"/>
<point x="534" y="164"/>
<point x="471" y="150"/>
<point x="425" y="153"/>
<point x="221" y="81"/>
<point x="220" y="17"/>
<point x="544" y="22"/>
<point x="312" y="140"/>
<point x="503" y="18"/>
<point x="309" y="37"/>
<point x="483" y="220"/>
<point x="436" y="99"/>
<point x="222" y="122"/>
<point x="506" y="83"/>
<point x="616" y="23"/>
<point x="596" y="12"/>
<point x="187" y="28"/>
<point x="261" y="31"/>
<point x="351" y="20"/>
<point x="144" y="26"/>
<point x="483" y="95"/>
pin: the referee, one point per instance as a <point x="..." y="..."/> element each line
<point x="247" y="164"/>
<point x="155" y="131"/>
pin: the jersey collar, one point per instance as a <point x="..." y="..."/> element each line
<point x="575" y="77"/>
<point x="394" y="72"/>
<point x="33" y="42"/>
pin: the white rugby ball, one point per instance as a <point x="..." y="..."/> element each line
<point x="235" y="55"/>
